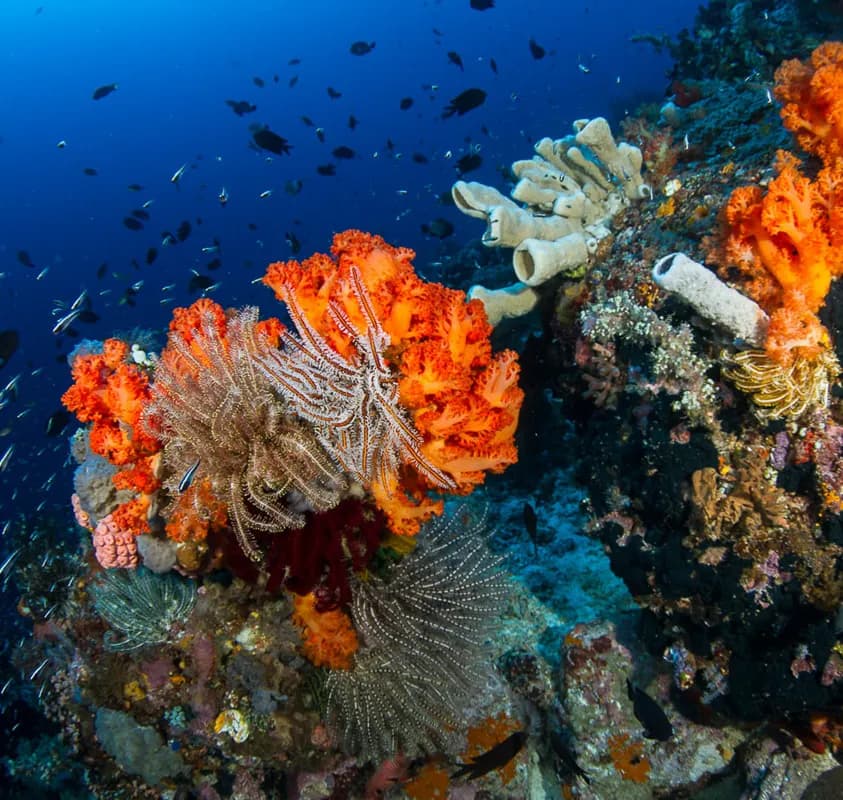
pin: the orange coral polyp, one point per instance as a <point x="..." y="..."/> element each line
<point x="328" y="637"/>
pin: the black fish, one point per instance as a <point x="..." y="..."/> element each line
<point x="135" y="187"/>
<point x="9" y="343"/>
<point x="259" y="82"/>
<point x="566" y="759"/>
<point x="531" y="523"/>
<point x="320" y="134"/>
<point x="649" y="713"/>
<point x="307" y="121"/>
<point x="251" y="226"/>
<point x="293" y="241"/>
<point x="23" y="258"/>
<point x="468" y="163"/>
<point x="104" y="91"/>
<point x="88" y="316"/>
<point x="214" y="263"/>
<point x="500" y="755"/>
<point x="241" y="107"/>
<point x="482" y="5"/>
<point x="139" y="213"/>
<point x="464" y="102"/>
<point x="361" y="48"/>
<point x="440" y="228"/>
<point x="57" y="422"/>
<point x="333" y="93"/>
<point x="183" y="230"/>
<point x="406" y="102"/>
<point x="198" y="283"/>
<point x="101" y="270"/>
<point x="151" y="255"/>
<point x="419" y="158"/>
<point x="326" y="169"/>
<point x="537" y="51"/>
<point x="293" y="187"/>
<point x="267" y="140"/>
<point x="352" y="121"/>
<point x="293" y="81"/>
<point x="494" y="65"/>
<point x="343" y="152"/>
<point x="454" y="58"/>
<point x="132" y="224"/>
<point x="293" y="61"/>
<point x="90" y="172"/>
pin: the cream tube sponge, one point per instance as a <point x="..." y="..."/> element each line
<point x="711" y="298"/>
<point x="536" y="261"/>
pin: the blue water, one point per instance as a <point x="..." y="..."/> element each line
<point x="175" y="66"/>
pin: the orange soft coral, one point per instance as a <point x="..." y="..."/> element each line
<point x="463" y="400"/>
<point x="812" y="94"/>
<point x="786" y="243"/>
<point x="328" y="637"/>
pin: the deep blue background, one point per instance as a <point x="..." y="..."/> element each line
<point x="176" y="62"/>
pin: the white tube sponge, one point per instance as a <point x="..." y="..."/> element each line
<point x="508" y="226"/>
<point x="623" y="161"/>
<point x="475" y="199"/>
<point x="711" y="298"/>
<point x="536" y="261"/>
<point x="511" y="301"/>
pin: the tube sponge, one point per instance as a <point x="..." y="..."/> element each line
<point x="711" y="298"/>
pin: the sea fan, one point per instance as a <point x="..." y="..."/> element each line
<point x="422" y="660"/>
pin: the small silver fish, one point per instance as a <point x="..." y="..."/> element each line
<point x="147" y="204"/>
<point x="184" y="483"/>
<point x="177" y="175"/>
<point x="67" y="320"/>
<point x="8" y="562"/>
<point x="6" y="457"/>
<point x="42" y="274"/>
<point x="211" y="249"/>
<point x="265" y="193"/>
<point x="83" y="295"/>
<point x="223" y="196"/>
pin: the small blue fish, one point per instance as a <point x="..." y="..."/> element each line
<point x="184" y="483"/>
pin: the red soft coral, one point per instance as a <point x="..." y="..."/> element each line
<point x="812" y="94"/>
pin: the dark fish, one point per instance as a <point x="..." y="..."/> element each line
<point x="482" y="5"/>
<point x="259" y="82"/>
<point x="241" y="107"/>
<point x="198" y="283"/>
<point x="566" y="759"/>
<point x="406" y="102"/>
<point x="352" y="122"/>
<point x="183" y="230"/>
<point x="135" y="187"/>
<point x="57" y="422"/>
<point x="293" y="187"/>
<point x="390" y="145"/>
<point x="90" y="172"/>
<point x="23" y="258"/>
<point x="275" y="78"/>
<point x="307" y="121"/>
<point x="454" y="58"/>
<point x="139" y="213"/>
<point x="500" y="755"/>
<point x="86" y="315"/>
<point x="214" y="263"/>
<point x="320" y="134"/>
<point x="649" y="713"/>
<point x="293" y="81"/>
<point x="101" y="270"/>
<point x="151" y="255"/>
<point x="104" y="91"/>
<point x="494" y="65"/>
<point x="132" y="224"/>
<point x="333" y="93"/>
<point x="531" y="523"/>
<point x="440" y="228"/>
<point x="537" y="51"/>
<point x="343" y="152"/>
<point x="361" y="48"/>
<point x="251" y="226"/>
<point x="464" y="102"/>
<point x="293" y="241"/>
<point x="419" y="158"/>
<point x="267" y="140"/>
<point x="9" y="343"/>
<point x="187" y="478"/>
<point x="468" y="163"/>
<point x="293" y="61"/>
<point x="326" y="169"/>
